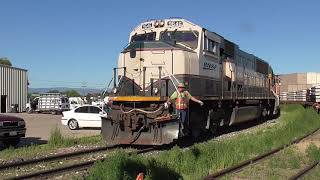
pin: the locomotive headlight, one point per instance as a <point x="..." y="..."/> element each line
<point x="155" y="90"/>
<point x="161" y="23"/>
<point x="114" y="90"/>
<point x="156" y="24"/>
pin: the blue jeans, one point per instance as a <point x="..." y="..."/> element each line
<point x="183" y="116"/>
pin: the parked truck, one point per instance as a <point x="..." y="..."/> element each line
<point x="11" y="130"/>
<point x="54" y="103"/>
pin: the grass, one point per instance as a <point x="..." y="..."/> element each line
<point x="56" y="141"/>
<point x="282" y="165"/>
<point x="313" y="152"/>
<point x="125" y="167"/>
<point x="205" y="158"/>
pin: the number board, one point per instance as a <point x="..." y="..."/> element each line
<point x="147" y="26"/>
<point x="175" y="23"/>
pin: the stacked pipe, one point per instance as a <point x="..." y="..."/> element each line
<point x="302" y="95"/>
<point x="292" y="96"/>
<point x="283" y="96"/>
<point x="315" y="94"/>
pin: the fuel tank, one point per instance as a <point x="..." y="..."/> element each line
<point x="243" y="114"/>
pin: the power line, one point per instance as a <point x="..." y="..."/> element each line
<point x="81" y="83"/>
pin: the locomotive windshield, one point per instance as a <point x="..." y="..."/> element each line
<point x="144" y="37"/>
<point x="185" y="38"/>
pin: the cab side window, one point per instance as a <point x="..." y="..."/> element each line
<point x="210" y="45"/>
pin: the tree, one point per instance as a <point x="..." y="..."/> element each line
<point x="53" y="91"/>
<point x="5" y="61"/>
<point x="72" y="93"/>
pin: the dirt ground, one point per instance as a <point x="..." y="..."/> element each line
<point x="39" y="127"/>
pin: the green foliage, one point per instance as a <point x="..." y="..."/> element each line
<point x="287" y="159"/>
<point x="56" y="138"/>
<point x="5" y="61"/>
<point x="313" y="152"/>
<point x="205" y="158"/>
<point x="56" y="141"/>
<point x="313" y="174"/>
<point x="53" y="91"/>
<point x="121" y="166"/>
<point x="72" y="93"/>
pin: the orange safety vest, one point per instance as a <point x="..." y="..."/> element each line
<point x="182" y="101"/>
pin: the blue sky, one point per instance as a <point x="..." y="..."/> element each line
<point x="76" y="43"/>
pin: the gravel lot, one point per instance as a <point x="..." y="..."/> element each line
<point x="39" y="127"/>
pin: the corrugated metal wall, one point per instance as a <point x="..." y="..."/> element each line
<point x="13" y="87"/>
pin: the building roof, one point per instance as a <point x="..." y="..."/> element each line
<point x="2" y="65"/>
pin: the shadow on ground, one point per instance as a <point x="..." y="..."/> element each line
<point x="27" y="141"/>
<point x="189" y="140"/>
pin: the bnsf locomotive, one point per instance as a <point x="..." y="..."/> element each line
<point x="235" y="86"/>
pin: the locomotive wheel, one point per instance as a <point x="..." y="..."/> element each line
<point x="215" y="120"/>
<point x="196" y="133"/>
<point x="264" y="112"/>
<point x="213" y="128"/>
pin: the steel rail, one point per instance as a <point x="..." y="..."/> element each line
<point x="304" y="171"/>
<point x="56" y="157"/>
<point x="245" y="163"/>
<point x="80" y="166"/>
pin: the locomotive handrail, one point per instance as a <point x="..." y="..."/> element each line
<point x="140" y="110"/>
<point x="170" y="76"/>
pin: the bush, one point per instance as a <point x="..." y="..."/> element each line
<point x="56" y="138"/>
<point x="121" y="166"/>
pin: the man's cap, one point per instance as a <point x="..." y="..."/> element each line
<point x="181" y="85"/>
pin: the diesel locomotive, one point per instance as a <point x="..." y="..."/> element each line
<point x="235" y="86"/>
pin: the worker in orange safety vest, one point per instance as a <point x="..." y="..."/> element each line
<point x="182" y="98"/>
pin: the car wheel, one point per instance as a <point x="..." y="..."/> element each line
<point x="11" y="142"/>
<point x="73" y="124"/>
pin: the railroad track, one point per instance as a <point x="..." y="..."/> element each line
<point x="56" y="157"/>
<point x="246" y="163"/>
<point x="304" y="171"/>
<point x="71" y="168"/>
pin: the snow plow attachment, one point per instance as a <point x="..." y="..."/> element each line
<point x="139" y="127"/>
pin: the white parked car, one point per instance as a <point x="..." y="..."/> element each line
<point x="83" y="116"/>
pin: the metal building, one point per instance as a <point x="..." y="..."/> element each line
<point x="298" y="81"/>
<point x="13" y="88"/>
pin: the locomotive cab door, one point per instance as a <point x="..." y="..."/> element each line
<point x="229" y="78"/>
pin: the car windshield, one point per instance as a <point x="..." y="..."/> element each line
<point x="184" y="38"/>
<point x="144" y="37"/>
